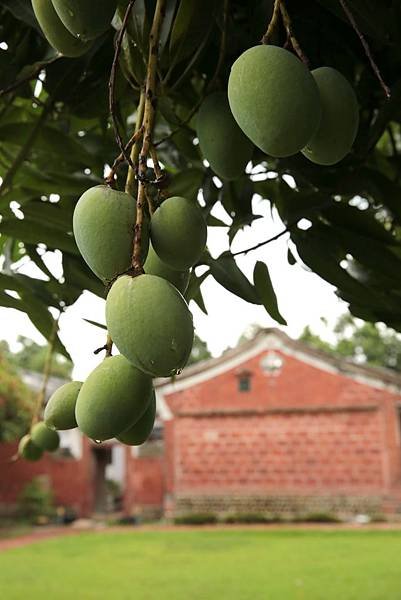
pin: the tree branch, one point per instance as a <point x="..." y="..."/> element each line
<point x="46" y="371"/>
<point x="148" y="123"/>
<point x="290" y="33"/>
<point x="365" y="45"/>
<point x="273" y="23"/>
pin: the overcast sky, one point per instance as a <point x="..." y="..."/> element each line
<point x="302" y="296"/>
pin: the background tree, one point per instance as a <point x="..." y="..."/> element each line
<point x="57" y="140"/>
<point x="199" y="351"/>
<point x="369" y="343"/>
<point x="32" y="357"/>
<point x="16" y="402"/>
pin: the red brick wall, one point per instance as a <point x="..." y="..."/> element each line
<point x="71" y="480"/>
<point x="300" y="453"/>
<point x="144" y="491"/>
<point x="305" y="431"/>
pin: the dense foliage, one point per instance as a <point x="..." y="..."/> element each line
<point x="16" y="403"/>
<point x="56" y="139"/>
<point x="369" y="343"/>
<point x="32" y="357"/>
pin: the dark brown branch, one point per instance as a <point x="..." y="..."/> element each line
<point x="260" y="244"/>
<point x="121" y="158"/>
<point x="290" y="33"/>
<point x="29" y="77"/>
<point x="273" y="23"/>
<point x="365" y="45"/>
<point x="148" y="124"/>
<point x="112" y="81"/>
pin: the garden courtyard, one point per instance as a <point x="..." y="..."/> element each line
<point x="207" y="564"/>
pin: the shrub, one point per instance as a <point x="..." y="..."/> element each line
<point x="318" y="517"/>
<point x="36" y="501"/>
<point x="250" y="518"/>
<point x="196" y="519"/>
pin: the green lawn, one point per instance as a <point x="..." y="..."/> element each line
<point x="207" y="565"/>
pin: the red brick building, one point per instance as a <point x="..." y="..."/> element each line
<point x="270" y="427"/>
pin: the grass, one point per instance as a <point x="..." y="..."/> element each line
<point x="207" y="565"/>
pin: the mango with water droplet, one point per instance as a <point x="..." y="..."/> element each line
<point x="222" y="142"/>
<point x="150" y="323"/>
<point x="56" y="34"/>
<point x="103" y="225"/>
<point x="45" y="438"/>
<point x="178" y="232"/>
<point x="60" y="409"/>
<point x="138" y="433"/>
<point x="85" y="19"/>
<point x="113" y="397"/>
<point x="274" y="99"/>
<point x="28" y="450"/>
<point x="154" y="266"/>
<point x="340" y="118"/>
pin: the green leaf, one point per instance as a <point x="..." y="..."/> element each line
<point x="49" y="140"/>
<point x="265" y="291"/>
<point x="191" y="25"/>
<point x="187" y="183"/>
<point x="96" y="324"/>
<point x="33" y="232"/>
<point x="193" y="291"/>
<point x="226" y="272"/>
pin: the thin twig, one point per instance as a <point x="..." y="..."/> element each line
<point x="130" y="182"/>
<point x="149" y="201"/>
<point x="29" y="77"/>
<point x="273" y="23"/>
<point x="156" y="166"/>
<point x="365" y="45"/>
<point x="260" y="244"/>
<point x="112" y="81"/>
<point x="46" y="371"/>
<point x="121" y="158"/>
<point x="109" y="346"/>
<point x="290" y="33"/>
<point x="148" y="123"/>
<point x="289" y="227"/>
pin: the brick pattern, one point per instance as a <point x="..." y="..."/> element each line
<point x="340" y="451"/>
<point x="144" y="482"/>
<point x="305" y="433"/>
<point x="280" y="504"/>
<point x="71" y="480"/>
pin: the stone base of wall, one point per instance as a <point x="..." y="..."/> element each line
<point x="289" y="505"/>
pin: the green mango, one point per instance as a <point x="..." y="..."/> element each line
<point x="85" y="19"/>
<point x="28" y="450"/>
<point x="45" y="438"/>
<point x="138" y="433"/>
<point x="60" y="409"/>
<point x="340" y="118"/>
<point x="274" y="99"/>
<point x="154" y="266"/>
<point x="150" y="323"/>
<point x="222" y="142"/>
<point x="178" y="232"/>
<point x="54" y="31"/>
<point x="113" y="397"/>
<point x="103" y="225"/>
